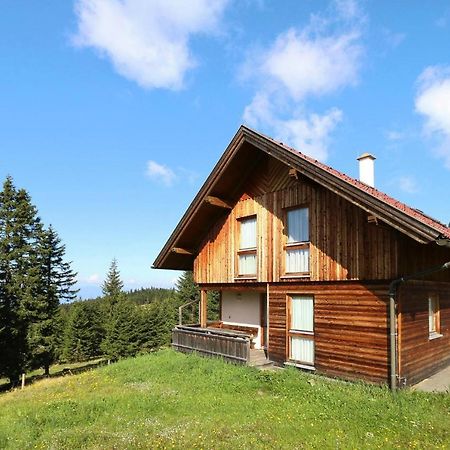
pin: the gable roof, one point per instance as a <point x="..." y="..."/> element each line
<point x="241" y="156"/>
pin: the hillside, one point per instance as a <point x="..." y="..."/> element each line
<point x="167" y="399"/>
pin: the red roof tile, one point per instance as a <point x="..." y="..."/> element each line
<point x="414" y="213"/>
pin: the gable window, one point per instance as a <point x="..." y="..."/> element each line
<point x="434" y="326"/>
<point x="301" y="329"/>
<point x="247" y="246"/>
<point x="297" y="245"/>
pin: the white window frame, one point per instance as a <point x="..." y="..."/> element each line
<point x="434" y="317"/>
<point x="302" y="246"/>
<point x="305" y="333"/>
<point x="247" y="251"/>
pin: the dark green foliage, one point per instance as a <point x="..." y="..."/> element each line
<point x="157" y="321"/>
<point x="55" y="284"/>
<point x="145" y="296"/>
<point x="123" y="333"/>
<point x="84" y="332"/>
<point x="187" y="291"/>
<point x="113" y="285"/>
<point x="19" y="276"/>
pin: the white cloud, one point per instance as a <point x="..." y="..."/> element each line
<point x="408" y="184"/>
<point x="395" y="136"/>
<point x="301" y="64"/>
<point x="147" y="41"/>
<point x="433" y="102"/>
<point x="305" y="65"/>
<point x="160" y="173"/>
<point x="91" y="279"/>
<point x="392" y="38"/>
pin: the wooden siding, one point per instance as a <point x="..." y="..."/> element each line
<point x="343" y="245"/>
<point x="350" y="328"/>
<point x="420" y="357"/>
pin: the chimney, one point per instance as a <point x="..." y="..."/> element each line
<point x="366" y="169"/>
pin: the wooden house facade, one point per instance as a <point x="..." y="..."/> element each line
<point x="309" y="262"/>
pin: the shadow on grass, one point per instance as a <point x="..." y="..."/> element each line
<point x="30" y="379"/>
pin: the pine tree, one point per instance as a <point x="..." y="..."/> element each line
<point x="112" y="287"/>
<point x="84" y="332"/>
<point x="123" y="333"/>
<point x="187" y="290"/>
<point x="55" y="285"/>
<point x="19" y="276"/>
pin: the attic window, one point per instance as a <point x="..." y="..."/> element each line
<point x="297" y="244"/>
<point x="247" y="246"/>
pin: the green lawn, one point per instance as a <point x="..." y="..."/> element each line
<point x="55" y="370"/>
<point x="170" y="400"/>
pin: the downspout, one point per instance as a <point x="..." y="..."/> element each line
<point x="393" y="317"/>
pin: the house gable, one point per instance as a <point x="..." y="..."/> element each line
<point x="240" y="171"/>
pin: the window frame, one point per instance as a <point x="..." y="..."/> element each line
<point x="305" y="334"/>
<point x="300" y="245"/>
<point x="434" y="317"/>
<point x="246" y="251"/>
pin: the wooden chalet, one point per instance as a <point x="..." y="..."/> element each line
<point x="315" y="268"/>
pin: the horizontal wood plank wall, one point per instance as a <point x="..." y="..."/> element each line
<point x="414" y="257"/>
<point x="420" y="357"/>
<point x="350" y="328"/>
<point x="344" y="246"/>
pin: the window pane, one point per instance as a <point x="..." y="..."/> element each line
<point x="433" y="309"/>
<point x="302" y="349"/>
<point x="302" y="314"/>
<point x="247" y="264"/>
<point x="297" y="225"/>
<point x="248" y="233"/>
<point x="297" y="260"/>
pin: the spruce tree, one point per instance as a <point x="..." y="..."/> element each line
<point x="112" y="287"/>
<point x="123" y="333"/>
<point x="84" y="332"/>
<point x="55" y="285"/>
<point x="19" y="277"/>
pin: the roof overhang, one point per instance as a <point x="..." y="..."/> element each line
<point x="225" y="182"/>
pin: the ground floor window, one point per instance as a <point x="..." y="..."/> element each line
<point x="301" y="329"/>
<point x="434" y="326"/>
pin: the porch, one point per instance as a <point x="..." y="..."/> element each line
<point x="213" y="341"/>
<point x="239" y="336"/>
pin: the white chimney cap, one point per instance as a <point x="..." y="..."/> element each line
<point x="367" y="169"/>
<point x="366" y="155"/>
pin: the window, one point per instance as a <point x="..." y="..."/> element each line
<point x="301" y="329"/>
<point x="247" y="246"/>
<point x="433" y="316"/>
<point x="297" y="245"/>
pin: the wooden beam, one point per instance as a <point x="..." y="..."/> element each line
<point x="293" y="173"/>
<point x="216" y="201"/>
<point x="182" y="251"/>
<point x="203" y="310"/>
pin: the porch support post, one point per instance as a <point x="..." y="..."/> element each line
<point x="203" y="307"/>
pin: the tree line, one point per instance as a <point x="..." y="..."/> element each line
<point x="40" y="323"/>
<point x="34" y="279"/>
<point x="122" y="324"/>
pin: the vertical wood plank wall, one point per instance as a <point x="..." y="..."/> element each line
<point x="344" y="246"/>
<point x="350" y="328"/>
<point x="420" y="357"/>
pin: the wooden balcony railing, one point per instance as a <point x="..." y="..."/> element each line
<point x="233" y="346"/>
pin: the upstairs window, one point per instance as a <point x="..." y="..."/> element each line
<point x="247" y="246"/>
<point x="434" y="326"/>
<point x="297" y="245"/>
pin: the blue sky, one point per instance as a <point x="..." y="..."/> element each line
<point x="113" y="112"/>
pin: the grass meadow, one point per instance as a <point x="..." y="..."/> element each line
<point x="171" y="400"/>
